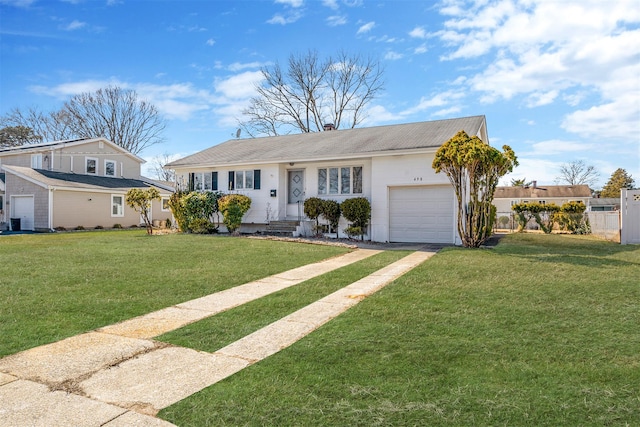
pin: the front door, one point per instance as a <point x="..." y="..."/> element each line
<point x="295" y="193"/>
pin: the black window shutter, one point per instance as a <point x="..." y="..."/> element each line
<point x="214" y="181"/>
<point x="191" y="181"/>
<point x="232" y="180"/>
<point x="256" y="179"/>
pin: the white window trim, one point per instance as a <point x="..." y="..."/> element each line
<point x="115" y="167"/>
<point x="38" y="160"/>
<point x="121" y="213"/>
<point x="162" y="204"/>
<point x="351" y="178"/>
<point x="86" y="169"/>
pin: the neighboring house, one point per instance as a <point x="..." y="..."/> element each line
<point x="505" y="197"/>
<point x="389" y="165"/>
<point x="604" y="204"/>
<point x="72" y="183"/>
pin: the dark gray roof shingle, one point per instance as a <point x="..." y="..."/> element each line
<point x="97" y="181"/>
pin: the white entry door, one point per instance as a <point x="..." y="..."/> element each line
<point x="295" y="193"/>
<point x="23" y="207"/>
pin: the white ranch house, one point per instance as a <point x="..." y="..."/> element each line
<point x="389" y="165"/>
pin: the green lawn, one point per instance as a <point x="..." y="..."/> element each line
<point x="541" y="330"/>
<point x="53" y="286"/>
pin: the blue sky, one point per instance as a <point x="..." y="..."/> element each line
<point x="558" y="80"/>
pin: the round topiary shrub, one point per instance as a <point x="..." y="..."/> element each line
<point x="358" y="212"/>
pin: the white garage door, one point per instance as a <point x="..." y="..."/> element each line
<point x="421" y="214"/>
<point x="22" y="207"/>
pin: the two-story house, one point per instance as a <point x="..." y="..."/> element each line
<point x="71" y="184"/>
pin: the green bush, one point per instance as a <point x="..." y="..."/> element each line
<point x="544" y="214"/>
<point x="571" y="218"/>
<point x="117" y="225"/>
<point x="313" y="209"/>
<point x="233" y="207"/>
<point x="195" y="211"/>
<point x="331" y="212"/>
<point x="358" y="211"/>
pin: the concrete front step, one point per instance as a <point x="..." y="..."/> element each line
<point x="282" y="227"/>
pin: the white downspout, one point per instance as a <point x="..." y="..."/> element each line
<point x="51" y="209"/>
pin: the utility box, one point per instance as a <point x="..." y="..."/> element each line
<point x="273" y="193"/>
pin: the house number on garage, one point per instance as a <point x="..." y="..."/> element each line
<point x="417" y="178"/>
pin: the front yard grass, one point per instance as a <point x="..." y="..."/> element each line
<point x="54" y="286"/>
<point x="540" y="330"/>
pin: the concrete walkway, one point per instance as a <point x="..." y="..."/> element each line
<point x="117" y="376"/>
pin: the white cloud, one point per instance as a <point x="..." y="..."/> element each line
<point x="289" y="18"/>
<point x="335" y="20"/>
<point x="75" y="25"/>
<point x="442" y="99"/>
<point x="547" y="50"/>
<point x="542" y="170"/>
<point x="418" y="33"/>
<point x="420" y="49"/>
<point x="211" y="42"/>
<point x="377" y="114"/>
<point x="18" y="3"/>
<point x="331" y="4"/>
<point x="176" y="101"/>
<point x="291" y="3"/>
<point x="237" y="66"/>
<point x="392" y="56"/>
<point x="538" y="99"/>
<point x="556" y="146"/>
<point x="239" y="86"/>
<point x="366" y="27"/>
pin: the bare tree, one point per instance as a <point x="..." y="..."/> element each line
<point x="313" y="92"/>
<point x="49" y="126"/>
<point x="577" y="173"/>
<point x="160" y="173"/>
<point x="113" y="113"/>
<point x="116" y="114"/>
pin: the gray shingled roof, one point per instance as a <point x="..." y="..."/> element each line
<point x="333" y="144"/>
<point x="542" y="191"/>
<point x="72" y="180"/>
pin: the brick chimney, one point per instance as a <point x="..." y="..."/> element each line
<point x="329" y="126"/>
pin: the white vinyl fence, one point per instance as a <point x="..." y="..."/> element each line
<point x="630" y="212"/>
<point x="605" y="224"/>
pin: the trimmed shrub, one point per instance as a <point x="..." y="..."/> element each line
<point x="571" y="218"/>
<point x="195" y="212"/>
<point x="358" y="211"/>
<point x="331" y="212"/>
<point x="313" y="210"/>
<point x="543" y="214"/>
<point x="233" y="207"/>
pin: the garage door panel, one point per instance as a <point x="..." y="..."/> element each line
<point x="421" y="214"/>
